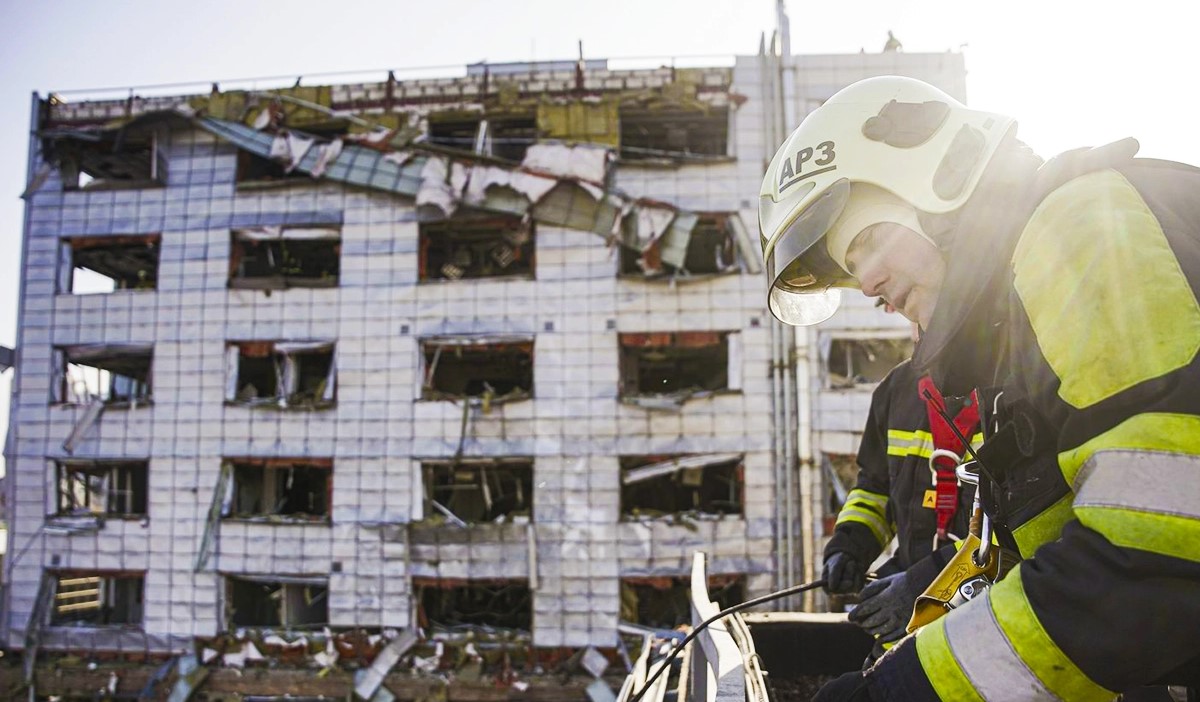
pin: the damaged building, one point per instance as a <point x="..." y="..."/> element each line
<point x="480" y="353"/>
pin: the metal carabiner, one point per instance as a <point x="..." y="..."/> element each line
<point x="942" y="453"/>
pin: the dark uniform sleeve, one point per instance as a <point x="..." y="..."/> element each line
<point x="864" y="525"/>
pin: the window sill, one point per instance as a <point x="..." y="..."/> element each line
<point x="274" y="404"/>
<point x="119" y="405"/>
<point x="279" y="519"/>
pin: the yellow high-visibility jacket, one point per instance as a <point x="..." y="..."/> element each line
<point x="1099" y="482"/>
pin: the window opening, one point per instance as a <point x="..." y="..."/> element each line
<point x="711" y="250"/>
<point x="283" y="374"/>
<point x="256" y="170"/>
<point x="90" y="599"/>
<point x="110" y="161"/>
<point x="475" y="491"/>
<point x="854" y="362"/>
<point x="653" y="486"/>
<point x="115" y="374"/>
<point x="501" y="136"/>
<point x="292" y="488"/>
<point x="101" y="488"/>
<point x="109" y="263"/>
<point x="505" y="604"/>
<point x="679" y="363"/>
<point x="294" y="603"/>
<point x="648" y="134"/>
<point x="273" y="258"/>
<point x="495" y="370"/>
<point x="476" y="246"/>
<point x="665" y="602"/>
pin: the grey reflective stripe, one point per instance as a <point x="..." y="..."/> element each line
<point x="987" y="659"/>
<point x="1147" y="481"/>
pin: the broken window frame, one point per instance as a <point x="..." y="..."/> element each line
<point x="432" y="351"/>
<point x="114" y="389"/>
<point x="493" y="587"/>
<point x="672" y="478"/>
<point x="726" y="257"/>
<point x="285" y="358"/>
<point x="727" y="343"/>
<point x="93" y="160"/>
<point x="844" y="351"/>
<point x="476" y="246"/>
<point x="500" y="135"/>
<point x="651" y="147"/>
<point x="312" y="589"/>
<point x="100" y="488"/>
<point x="271" y="472"/>
<point x="288" y="271"/>
<point x="725" y="590"/>
<point x="504" y="487"/>
<point x="99" y="591"/>
<point x="69" y="268"/>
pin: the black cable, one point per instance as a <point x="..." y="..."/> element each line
<point x="959" y="435"/>
<point x="793" y="590"/>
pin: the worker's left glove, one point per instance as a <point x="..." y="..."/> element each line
<point x="885" y="607"/>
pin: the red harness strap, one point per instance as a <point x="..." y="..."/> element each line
<point x="945" y="481"/>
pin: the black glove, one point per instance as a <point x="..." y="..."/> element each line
<point x="885" y="607"/>
<point x="843" y="574"/>
<point x="851" y="687"/>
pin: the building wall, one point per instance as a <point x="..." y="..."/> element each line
<point x="576" y="548"/>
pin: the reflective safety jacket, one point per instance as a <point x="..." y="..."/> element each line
<point x="895" y="491"/>
<point x="1097" y="465"/>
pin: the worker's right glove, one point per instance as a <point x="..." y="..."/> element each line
<point x="885" y="606"/>
<point x="843" y="574"/>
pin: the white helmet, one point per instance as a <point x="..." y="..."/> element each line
<point x="880" y="150"/>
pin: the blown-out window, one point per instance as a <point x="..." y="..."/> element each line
<point x="476" y="246"/>
<point x="97" y="598"/>
<point x="472" y="491"/>
<point x="277" y="601"/>
<point x="490" y="368"/>
<point x="271" y="258"/>
<point x="286" y="374"/>
<point x="492" y="603"/>
<point x="662" y="485"/>
<point x="677" y="365"/>
<point x="101" y="488"/>
<point x="290" y="488"/>
<point x="99" y="264"/>
<point x="116" y="374"/>
<point x="665" y="602"/>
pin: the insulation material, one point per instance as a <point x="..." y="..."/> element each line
<point x="486" y="178"/>
<point x="441" y="185"/>
<point x="326" y="154"/>
<point x="372" y="678"/>
<point x="580" y="161"/>
<point x="290" y="148"/>
<point x="673" y="245"/>
<point x="578" y="120"/>
<point x="651" y="222"/>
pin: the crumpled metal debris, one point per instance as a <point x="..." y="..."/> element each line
<point x="588" y="162"/>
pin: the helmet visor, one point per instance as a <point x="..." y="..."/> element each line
<point x="799" y="268"/>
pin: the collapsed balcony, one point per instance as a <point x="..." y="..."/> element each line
<point x="712" y="249"/>
<point x="283" y="374"/>
<point x="280" y="489"/>
<point x="672" y="135"/>
<point x="665" y="602"/>
<point x="276" y="258"/>
<point x="503" y="136"/>
<point x="655" y="486"/>
<point x="663" y="369"/>
<point x="489" y="368"/>
<point x="469" y="246"/>
<point x="453" y="604"/>
<point x="97" y="599"/>
<point x="114" y="374"/>
<point x="851" y="362"/>
<point x="101" y="264"/>
<point x="89" y="490"/>
<point x="276" y="601"/>
<point x="474" y="491"/>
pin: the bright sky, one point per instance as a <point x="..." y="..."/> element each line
<point x="1072" y="73"/>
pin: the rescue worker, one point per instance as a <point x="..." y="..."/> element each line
<point x="904" y="491"/>
<point x="1066" y="292"/>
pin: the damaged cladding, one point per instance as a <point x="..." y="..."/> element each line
<point x="711" y="250"/>
<point x="658" y="133"/>
<point x="124" y="158"/>
<point x="673" y="363"/>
